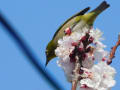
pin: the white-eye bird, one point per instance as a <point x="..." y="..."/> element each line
<point x="80" y="20"/>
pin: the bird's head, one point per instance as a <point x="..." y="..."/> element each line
<point x="50" y="51"/>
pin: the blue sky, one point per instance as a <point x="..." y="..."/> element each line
<point x="37" y="21"/>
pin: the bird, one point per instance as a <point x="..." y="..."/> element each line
<point x="79" y="20"/>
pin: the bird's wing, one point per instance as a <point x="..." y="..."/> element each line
<point x="82" y="12"/>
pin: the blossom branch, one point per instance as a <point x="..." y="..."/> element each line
<point x="76" y="74"/>
<point x="78" y="52"/>
<point x="113" y="50"/>
<point x="80" y="56"/>
<point x="74" y="85"/>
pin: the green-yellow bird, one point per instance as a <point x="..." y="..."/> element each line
<point x="74" y="21"/>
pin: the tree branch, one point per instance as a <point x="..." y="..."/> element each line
<point x="76" y="74"/>
<point x="113" y="50"/>
<point x="74" y="85"/>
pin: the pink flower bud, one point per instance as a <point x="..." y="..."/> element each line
<point x="91" y="39"/>
<point x="103" y="59"/>
<point x="67" y="31"/>
<point x="84" y="86"/>
<point x="81" y="71"/>
<point x="93" y="58"/>
<point x="72" y="59"/>
<point x="84" y="56"/>
<point x="74" y="43"/>
<point x="83" y="38"/>
<point x="109" y="62"/>
<point x="80" y="49"/>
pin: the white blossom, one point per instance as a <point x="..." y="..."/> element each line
<point x="101" y="77"/>
<point x="97" y="75"/>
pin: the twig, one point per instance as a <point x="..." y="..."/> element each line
<point x="76" y="74"/>
<point x="74" y="85"/>
<point x="113" y="50"/>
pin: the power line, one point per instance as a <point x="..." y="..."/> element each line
<point x="29" y="54"/>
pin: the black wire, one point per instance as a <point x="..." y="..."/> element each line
<point x="29" y="54"/>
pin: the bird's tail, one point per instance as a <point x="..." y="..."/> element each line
<point x="90" y="17"/>
<point x="103" y="6"/>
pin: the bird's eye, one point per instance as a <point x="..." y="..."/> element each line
<point x="46" y="52"/>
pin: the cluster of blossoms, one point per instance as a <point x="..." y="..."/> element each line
<point x="85" y="47"/>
